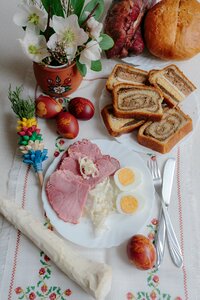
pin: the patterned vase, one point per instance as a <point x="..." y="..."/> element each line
<point x="57" y="81"/>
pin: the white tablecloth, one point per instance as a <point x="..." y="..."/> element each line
<point x="25" y="272"/>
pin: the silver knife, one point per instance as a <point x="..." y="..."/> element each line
<point x="174" y="247"/>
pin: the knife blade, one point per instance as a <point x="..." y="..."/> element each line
<point x="174" y="248"/>
<point x="168" y="176"/>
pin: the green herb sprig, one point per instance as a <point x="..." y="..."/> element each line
<point x="23" y="108"/>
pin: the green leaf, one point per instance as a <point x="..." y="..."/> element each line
<point x="53" y="7"/>
<point x="96" y="7"/>
<point x="39" y="282"/>
<point x="106" y="42"/>
<point x="96" y="65"/>
<point x="82" y="68"/>
<point x="22" y="297"/>
<point x="77" y="6"/>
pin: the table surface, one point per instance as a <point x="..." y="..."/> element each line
<point x="15" y="68"/>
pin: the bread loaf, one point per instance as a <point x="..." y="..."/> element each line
<point x="126" y="73"/>
<point x="137" y="101"/>
<point x="172" y="29"/>
<point x="174" y="85"/>
<point x="118" y="126"/>
<point x="164" y="135"/>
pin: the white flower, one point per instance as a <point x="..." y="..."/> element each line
<point x="30" y="16"/>
<point x="34" y="46"/>
<point x="94" y="27"/>
<point x="68" y="33"/>
<point x="91" y="52"/>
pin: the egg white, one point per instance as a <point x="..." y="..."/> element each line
<point x="138" y="196"/>
<point x="132" y="186"/>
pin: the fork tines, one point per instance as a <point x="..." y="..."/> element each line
<point x="153" y="166"/>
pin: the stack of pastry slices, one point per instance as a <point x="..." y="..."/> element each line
<point x="148" y="101"/>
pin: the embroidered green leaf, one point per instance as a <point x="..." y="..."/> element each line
<point x="22" y="297"/>
<point x="147" y="296"/>
<point x="158" y="291"/>
<point x="28" y="290"/>
<point x="32" y="288"/>
<point x="39" y="282"/>
<point x="49" y="291"/>
<point x="39" y="294"/>
<point x="59" y="291"/>
<point x="48" y="271"/>
<point x="149" y="278"/>
<point x="62" y="298"/>
<point x="43" y="263"/>
<point x="54" y="288"/>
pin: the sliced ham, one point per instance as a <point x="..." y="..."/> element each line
<point x="71" y="164"/>
<point x="84" y="148"/>
<point x="67" y="194"/>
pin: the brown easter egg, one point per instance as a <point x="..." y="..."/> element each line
<point x="47" y="107"/>
<point x="67" y="125"/>
<point x="141" y="252"/>
<point x="81" y="108"/>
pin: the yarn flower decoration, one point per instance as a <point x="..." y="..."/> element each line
<point x="30" y="139"/>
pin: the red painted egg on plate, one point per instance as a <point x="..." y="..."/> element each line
<point x="81" y="108"/>
<point x="67" y="125"/>
<point x="47" y="107"/>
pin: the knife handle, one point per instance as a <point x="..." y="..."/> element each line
<point x="174" y="248"/>
<point x="160" y="239"/>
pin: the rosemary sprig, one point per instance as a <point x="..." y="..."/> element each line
<point x="23" y="108"/>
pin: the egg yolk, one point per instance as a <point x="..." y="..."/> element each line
<point x="126" y="176"/>
<point x="129" y="204"/>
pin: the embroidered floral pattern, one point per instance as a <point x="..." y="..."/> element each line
<point x="153" y="279"/>
<point x="60" y="146"/>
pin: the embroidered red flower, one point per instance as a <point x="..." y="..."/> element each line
<point x="61" y="142"/>
<point x="151" y="235"/>
<point x="32" y="296"/>
<point x="178" y="298"/>
<point x="154" y="221"/>
<point x="18" y="290"/>
<point x="68" y="292"/>
<point x="52" y="296"/>
<point x="129" y="296"/>
<point x="46" y="258"/>
<point x="155" y="278"/>
<point x="153" y="295"/>
<point x="44" y="288"/>
<point x="56" y="153"/>
<point x="42" y="271"/>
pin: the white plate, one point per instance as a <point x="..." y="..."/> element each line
<point x="189" y="106"/>
<point x="121" y="227"/>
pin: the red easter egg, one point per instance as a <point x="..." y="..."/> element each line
<point x="67" y="125"/>
<point x="47" y="107"/>
<point x="81" y="108"/>
<point x="141" y="252"/>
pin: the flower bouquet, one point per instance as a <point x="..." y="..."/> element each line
<point x="63" y="32"/>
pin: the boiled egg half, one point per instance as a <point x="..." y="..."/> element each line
<point x="129" y="203"/>
<point x="127" y="178"/>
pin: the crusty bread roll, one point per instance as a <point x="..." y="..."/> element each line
<point x="172" y="29"/>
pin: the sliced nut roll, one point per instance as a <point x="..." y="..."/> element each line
<point x="137" y="101"/>
<point x="162" y="136"/>
<point x="174" y="85"/>
<point x="125" y="73"/>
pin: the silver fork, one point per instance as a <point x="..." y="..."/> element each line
<point x="174" y="247"/>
